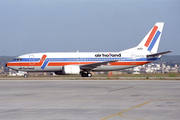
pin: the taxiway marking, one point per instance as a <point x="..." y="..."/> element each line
<point x="120" y="113"/>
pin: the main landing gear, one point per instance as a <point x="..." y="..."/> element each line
<point x="86" y="74"/>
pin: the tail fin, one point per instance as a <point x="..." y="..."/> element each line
<point x="151" y="41"/>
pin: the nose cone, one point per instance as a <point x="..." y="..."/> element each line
<point x="7" y="64"/>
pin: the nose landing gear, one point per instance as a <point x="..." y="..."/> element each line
<point x="25" y="75"/>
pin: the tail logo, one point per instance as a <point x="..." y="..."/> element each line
<point x="152" y="38"/>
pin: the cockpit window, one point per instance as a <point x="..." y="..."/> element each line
<point x="17" y="59"/>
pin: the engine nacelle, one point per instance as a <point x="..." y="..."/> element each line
<point x="71" y="69"/>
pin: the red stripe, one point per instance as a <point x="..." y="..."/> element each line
<point x="151" y="36"/>
<point x="75" y="63"/>
<point x="49" y="64"/>
<point x="42" y="60"/>
<point x="68" y="63"/>
<point x="84" y="63"/>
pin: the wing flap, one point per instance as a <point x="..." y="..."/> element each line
<point x="94" y="65"/>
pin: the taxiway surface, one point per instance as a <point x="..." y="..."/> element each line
<point x="89" y="100"/>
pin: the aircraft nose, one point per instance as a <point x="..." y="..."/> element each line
<point x="6" y="64"/>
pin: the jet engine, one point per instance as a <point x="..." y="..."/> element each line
<point x="70" y="69"/>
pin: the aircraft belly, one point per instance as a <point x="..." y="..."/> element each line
<point x="49" y="68"/>
<point x="59" y="68"/>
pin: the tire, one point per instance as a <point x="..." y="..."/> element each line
<point x="25" y="75"/>
<point x="89" y="75"/>
<point x="83" y="75"/>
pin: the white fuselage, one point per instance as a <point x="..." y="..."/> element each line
<point x="55" y="61"/>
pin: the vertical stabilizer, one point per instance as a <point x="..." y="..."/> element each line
<point x="151" y="41"/>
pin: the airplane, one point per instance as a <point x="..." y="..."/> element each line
<point x="84" y="63"/>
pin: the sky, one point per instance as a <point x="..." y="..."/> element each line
<point x="30" y="26"/>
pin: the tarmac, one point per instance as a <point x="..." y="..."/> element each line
<point x="89" y="100"/>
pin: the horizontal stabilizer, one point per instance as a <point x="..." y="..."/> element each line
<point x="160" y="53"/>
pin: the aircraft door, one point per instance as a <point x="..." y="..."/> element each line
<point x="31" y="59"/>
<point x="133" y="58"/>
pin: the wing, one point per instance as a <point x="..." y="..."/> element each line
<point x="161" y="53"/>
<point x="94" y="65"/>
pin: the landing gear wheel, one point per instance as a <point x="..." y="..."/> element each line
<point x="83" y="75"/>
<point x="89" y="75"/>
<point x="25" y="75"/>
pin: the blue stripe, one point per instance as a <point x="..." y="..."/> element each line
<point x="105" y="59"/>
<point x="84" y="59"/>
<point x="154" y="41"/>
<point x="44" y="64"/>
